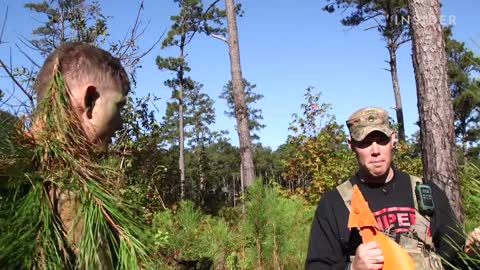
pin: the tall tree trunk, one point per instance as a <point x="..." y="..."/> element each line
<point x="239" y="96"/>
<point x="181" y="137"/>
<point x="201" y="176"/>
<point x="234" y="191"/>
<point x="396" y="88"/>
<point x="434" y="101"/>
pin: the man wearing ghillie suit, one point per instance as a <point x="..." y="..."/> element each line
<point x="61" y="209"/>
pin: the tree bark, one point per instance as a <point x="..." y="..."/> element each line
<point x="396" y="89"/>
<point x="434" y="102"/>
<point x="239" y="96"/>
<point x="234" y="192"/>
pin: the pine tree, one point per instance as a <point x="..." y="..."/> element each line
<point x="199" y="116"/>
<point x="434" y="100"/>
<point x="462" y="62"/>
<point x="192" y="18"/>
<point x="391" y="21"/>
<point x="254" y="114"/>
<point x="241" y="110"/>
<point x="68" y="20"/>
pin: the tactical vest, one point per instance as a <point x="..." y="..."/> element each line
<point x="417" y="242"/>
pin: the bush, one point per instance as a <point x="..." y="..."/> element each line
<point x="407" y="160"/>
<point x="190" y="239"/>
<point x="273" y="234"/>
<point x="470" y="185"/>
<point x="277" y="229"/>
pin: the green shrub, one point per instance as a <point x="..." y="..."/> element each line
<point x="407" y="160"/>
<point x="189" y="237"/>
<point x="470" y="185"/>
<point x="276" y="229"/>
<point x="273" y="233"/>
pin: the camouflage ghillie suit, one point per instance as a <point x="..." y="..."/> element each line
<point x="60" y="209"/>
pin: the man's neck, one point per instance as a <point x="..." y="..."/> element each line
<point x="383" y="179"/>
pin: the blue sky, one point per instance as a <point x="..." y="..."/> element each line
<point x="285" y="47"/>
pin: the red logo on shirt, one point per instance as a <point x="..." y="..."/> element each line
<point x="401" y="217"/>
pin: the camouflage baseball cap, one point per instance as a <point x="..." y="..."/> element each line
<point x="366" y="120"/>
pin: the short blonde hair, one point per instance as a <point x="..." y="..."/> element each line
<point x="78" y="61"/>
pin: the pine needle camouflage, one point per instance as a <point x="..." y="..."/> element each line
<point x="59" y="161"/>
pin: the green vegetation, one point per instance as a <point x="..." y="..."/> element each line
<point x="207" y="221"/>
<point x="272" y="234"/>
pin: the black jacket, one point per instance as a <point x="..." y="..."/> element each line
<point x="331" y="242"/>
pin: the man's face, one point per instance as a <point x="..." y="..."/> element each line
<point x="374" y="153"/>
<point x="100" y="110"/>
<point x="106" y="117"/>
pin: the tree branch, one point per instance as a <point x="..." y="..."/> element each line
<point x="132" y="34"/>
<point x="127" y="50"/>
<point x="404" y="41"/>
<point x="211" y="6"/>
<point x="372" y="16"/>
<point x="205" y="13"/>
<point x="3" y="25"/>
<point x="219" y="37"/>
<point x="29" y="44"/>
<point x="29" y="96"/>
<point x="376" y="21"/>
<point x="370" y="28"/>
<point x="27" y="56"/>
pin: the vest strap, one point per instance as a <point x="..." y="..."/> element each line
<point x="345" y="189"/>
<point x="422" y="223"/>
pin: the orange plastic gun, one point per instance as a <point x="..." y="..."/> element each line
<point x="361" y="216"/>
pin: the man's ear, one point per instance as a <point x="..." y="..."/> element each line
<point x="393" y="138"/>
<point x="91" y="95"/>
<point x="349" y="142"/>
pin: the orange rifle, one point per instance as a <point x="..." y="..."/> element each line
<point x="362" y="217"/>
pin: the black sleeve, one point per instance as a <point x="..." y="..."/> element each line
<point x="325" y="248"/>
<point x="447" y="233"/>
